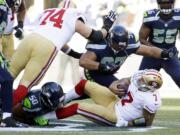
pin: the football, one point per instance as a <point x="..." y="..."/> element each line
<point x="123" y="84"/>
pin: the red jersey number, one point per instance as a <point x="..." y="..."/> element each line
<point x="55" y="17"/>
<point x="127" y="100"/>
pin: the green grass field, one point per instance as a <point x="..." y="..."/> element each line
<point x="167" y="122"/>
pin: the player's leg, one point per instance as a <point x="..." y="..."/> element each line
<point x="42" y="53"/>
<point x="6" y="83"/>
<point x="172" y="67"/>
<point x="150" y="63"/>
<point x="8" y="45"/>
<point x="99" y="94"/>
<point x="97" y="113"/>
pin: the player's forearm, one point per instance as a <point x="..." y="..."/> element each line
<point x="89" y="64"/>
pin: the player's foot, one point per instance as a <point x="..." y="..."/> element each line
<point x="10" y="122"/>
<point x="40" y="121"/>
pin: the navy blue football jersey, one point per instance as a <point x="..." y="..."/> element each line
<point x="163" y="33"/>
<point x="105" y="54"/>
<point x="33" y="105"/>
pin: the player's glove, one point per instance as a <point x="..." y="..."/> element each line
<point x="108" y="20"/>
<point x="19" y="30"/>
<point x="169" y="53"/>
<point x="121" y="123"/>
<point x="108" y="68"/>
<point x="4" y="63"/>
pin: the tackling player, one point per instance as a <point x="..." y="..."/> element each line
<point x="160" y="28"/>
<point x="36" y="52"/>
<point x="102" y="60"/>
<point x="136" y="108"/>
<point x="6" y="80"/>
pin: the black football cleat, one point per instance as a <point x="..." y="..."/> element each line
<point x="10" y="122"/>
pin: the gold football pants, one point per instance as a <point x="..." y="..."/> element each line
<point x="34" y="55"/>
<point x="8" y="45"/>
<point x="103" y="109"/>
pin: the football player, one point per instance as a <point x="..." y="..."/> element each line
<point x="6" y="80"/>
<point x="35" y="53"/>
<point x="39" y="102"/>
<point x="17" y="8"/>
<point x="136" y="108"/>
<point x="160" y="28"/>
<point x="103" y="59"/>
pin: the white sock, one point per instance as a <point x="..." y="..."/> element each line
<point x="6" y="114"/>
<point x="71" y="95"/>
<point x="51" y="115"/>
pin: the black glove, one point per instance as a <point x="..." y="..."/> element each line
<point x="19" y="30"/>
<point x="108" y="20"/>
<point x="108" y="68"/>
<point x="4" y="63"/>
<point x="168" y="54"/>
<point x="139" y="122"/>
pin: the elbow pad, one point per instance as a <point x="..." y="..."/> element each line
<point x="95" y="36"/>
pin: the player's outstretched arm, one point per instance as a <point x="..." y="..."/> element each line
<point x="96" y="35"/>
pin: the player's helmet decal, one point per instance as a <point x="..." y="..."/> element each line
<point x="52" y="95"/>
<point x="118" y="36"/>
<point x="147" y="80"/>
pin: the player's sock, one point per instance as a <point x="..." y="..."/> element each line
<point x="6" y="114"/>
<point x="67" y="111"/>
<point x="19" y="94"/>
<point x="6" y="93"/>
<point x="76" y="92"/>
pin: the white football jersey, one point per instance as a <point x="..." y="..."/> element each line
<point x="10" y="23"/>
<point x="131" y="106"/>
<point x="58" y="25"/>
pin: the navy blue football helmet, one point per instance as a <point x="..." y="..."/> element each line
<point x="52" y="95"/>
<point x="3" y="15"/>
<point x="166" y="6"/>
<point x="13" y="3"/>
<point x="118" y="37"/>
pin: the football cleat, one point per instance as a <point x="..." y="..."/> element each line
<point x="40" y="121"/>
<point x="10" y="122"/>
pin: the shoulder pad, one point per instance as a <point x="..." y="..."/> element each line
<point x="150" y="15"/>
<point x="98" y="46"/>
<point x="133" y="41"/>
<point x="32" y="101"/>
<point x="176" y="15"/>
<point x="177" y="11"/>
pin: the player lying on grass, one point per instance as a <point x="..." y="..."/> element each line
<point x="136" y="108"/>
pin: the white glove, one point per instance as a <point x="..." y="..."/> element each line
<point x="121" y="123"/>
